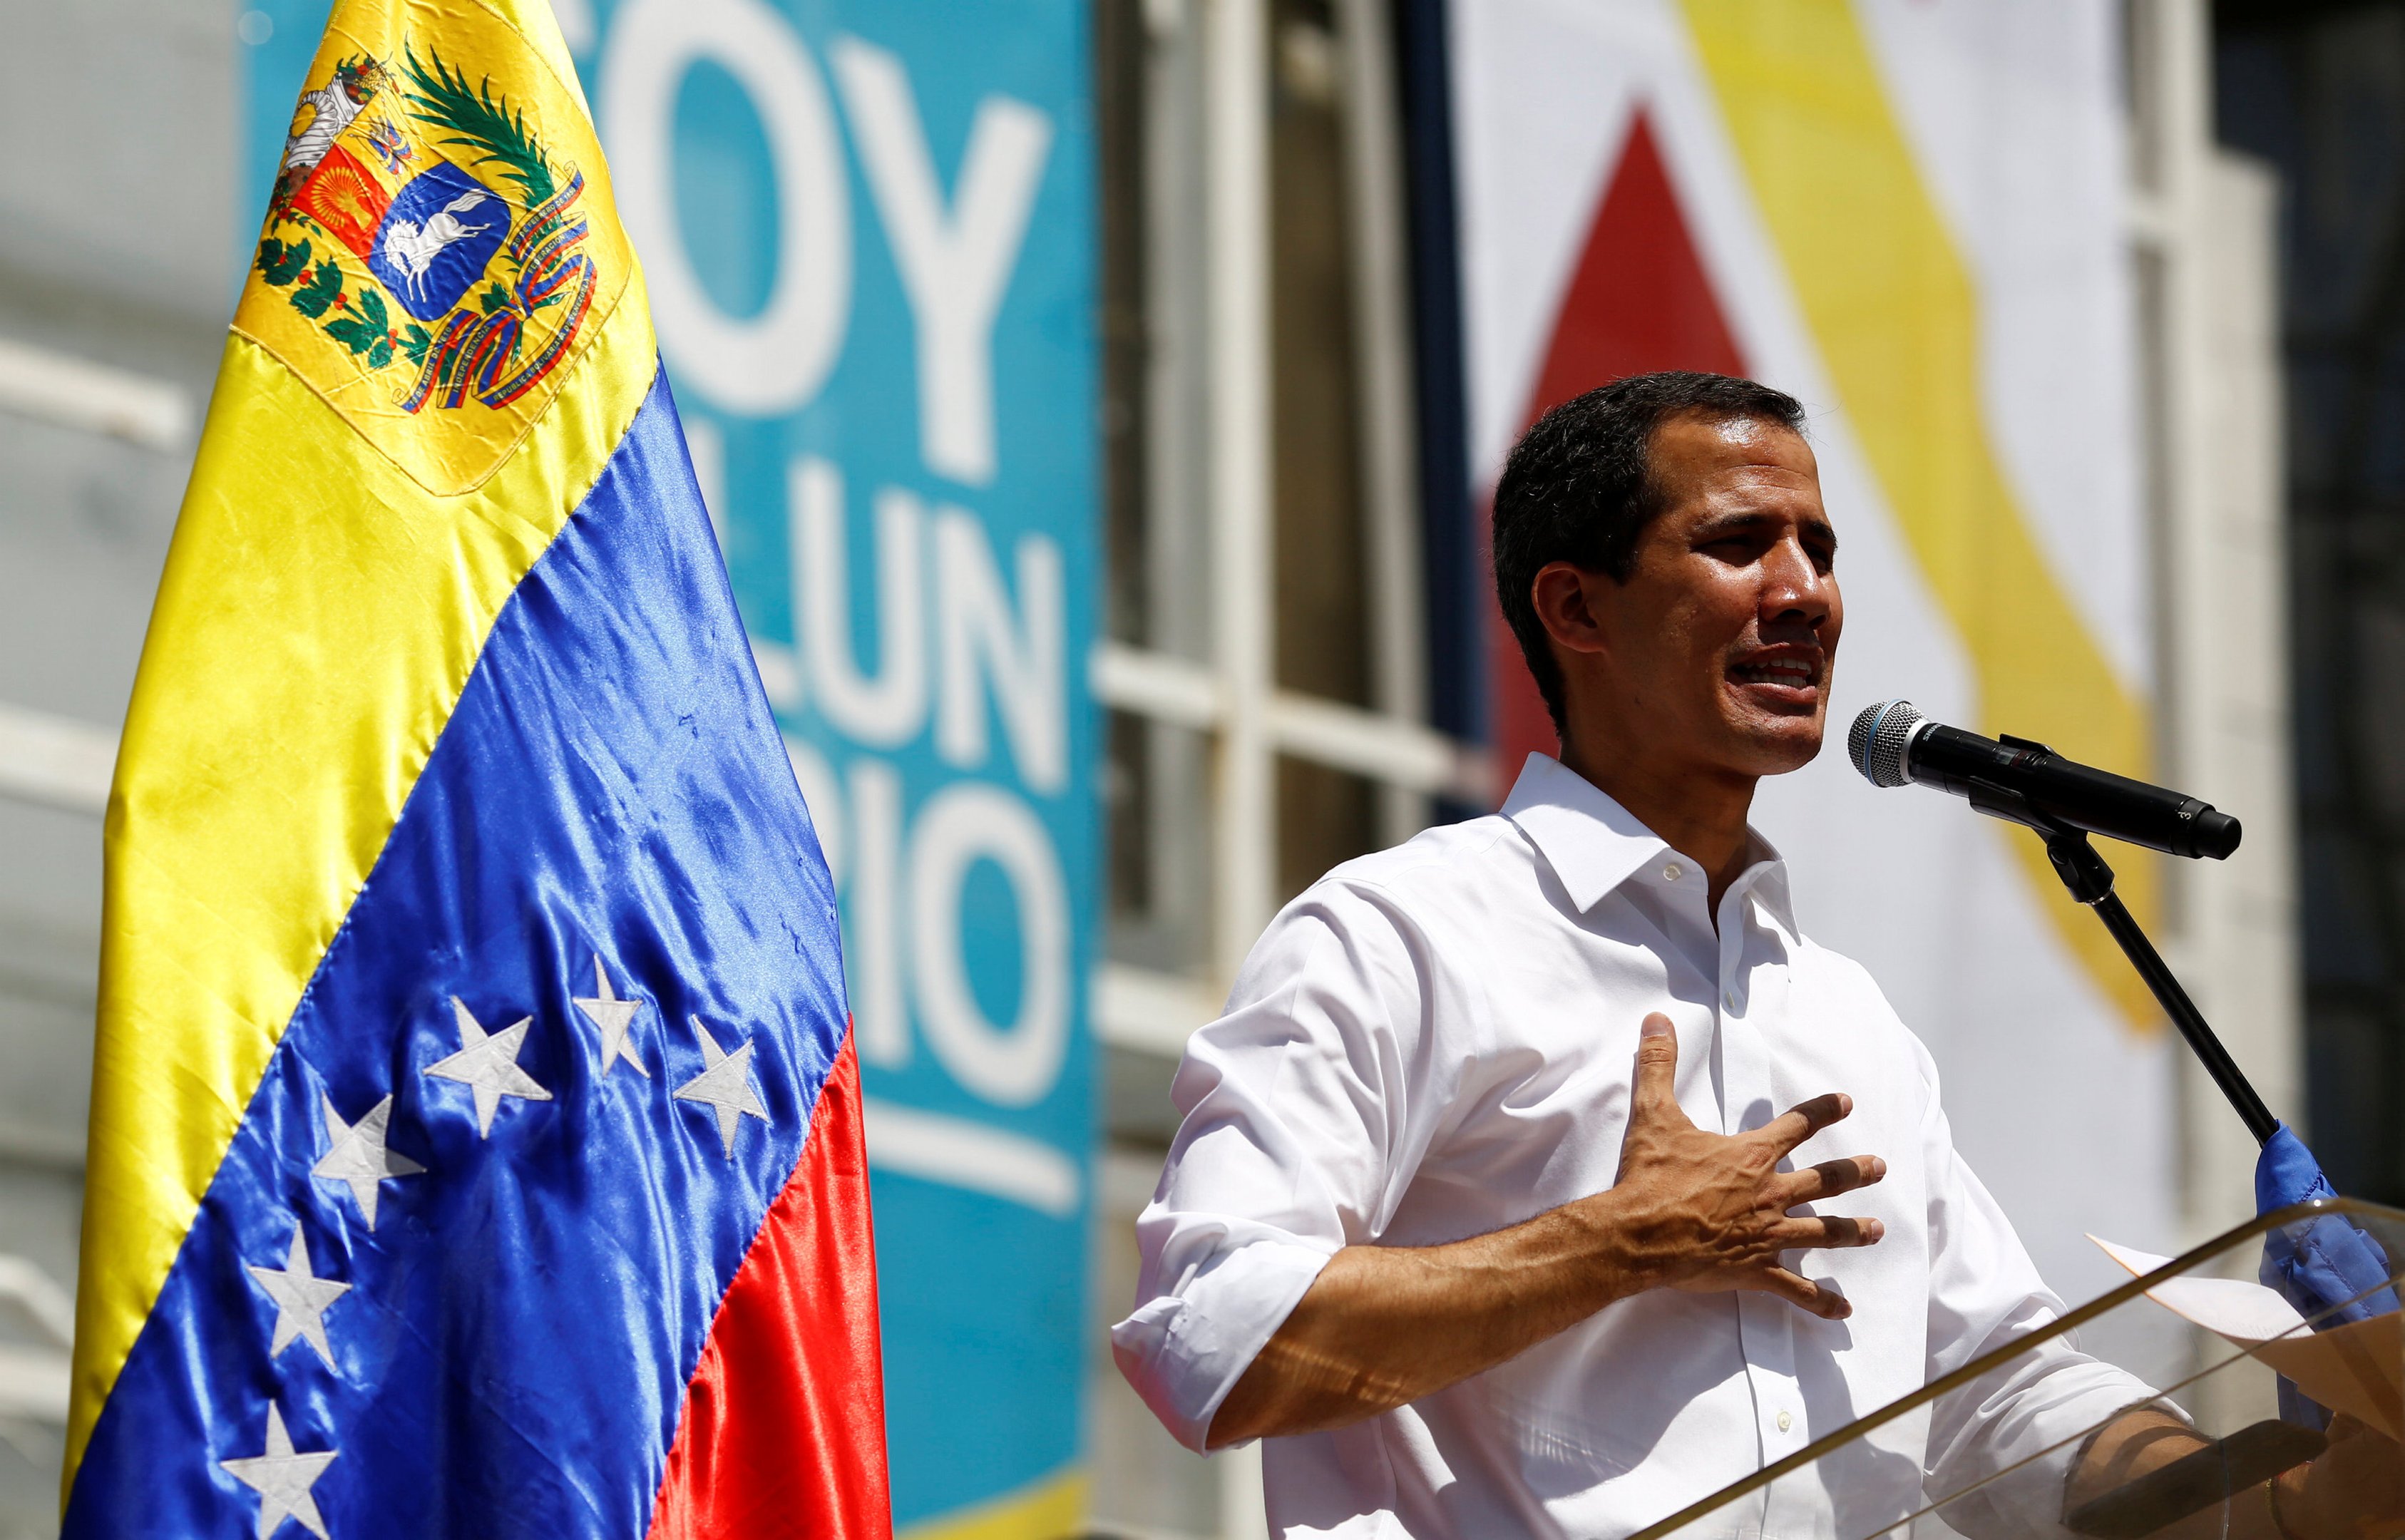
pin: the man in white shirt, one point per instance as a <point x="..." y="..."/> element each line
<point x="1502" y="1201"/>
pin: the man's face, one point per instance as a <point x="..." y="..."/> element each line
<point x="1725" y="633"/>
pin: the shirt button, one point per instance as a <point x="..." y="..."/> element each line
<point x="1673" y="872"/>
<point x="1730" y="998"/>
<point x="1786" y="1420"/>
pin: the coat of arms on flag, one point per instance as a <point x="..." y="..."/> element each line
<point x="475" y="1139"/>
<point x="432" y="249"/>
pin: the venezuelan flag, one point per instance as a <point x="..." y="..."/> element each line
<point x="475" y="1139"/>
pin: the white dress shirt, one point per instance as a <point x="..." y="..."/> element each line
<point x="1437" y="1041"/>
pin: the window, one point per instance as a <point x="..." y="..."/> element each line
<point x="1264" y="669"/>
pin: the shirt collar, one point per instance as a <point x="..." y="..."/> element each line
<point x="1594" y="845"/>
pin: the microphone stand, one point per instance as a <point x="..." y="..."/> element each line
<point x="2091" y="881"/>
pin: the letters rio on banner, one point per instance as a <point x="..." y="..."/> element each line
<point x="866" y="226"/>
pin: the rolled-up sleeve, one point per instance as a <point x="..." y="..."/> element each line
<point x="1298" y="1131"/>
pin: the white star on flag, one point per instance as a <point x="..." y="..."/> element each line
<point x="300" y="1299"/>
<point x="487" y="1064"/>
<point x="356" y="1155"/>
<point x="283" y="1479"/>
<point x="614" y="1016"/>
<point x="726" y="1087"/>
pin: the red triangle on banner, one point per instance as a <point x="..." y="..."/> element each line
<point x="1637" y="300"/>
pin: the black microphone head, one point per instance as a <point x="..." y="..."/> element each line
<point x="2216" y="833"/>
<point x="1878" y="738"/>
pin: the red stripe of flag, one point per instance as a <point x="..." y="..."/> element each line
<point x="783" y="1430"/>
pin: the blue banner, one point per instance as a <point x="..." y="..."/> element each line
<point x="867" y="229"/>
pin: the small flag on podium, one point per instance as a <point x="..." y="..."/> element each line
<point x="476" y="1142"/>
<point x="2330" y="1269"/>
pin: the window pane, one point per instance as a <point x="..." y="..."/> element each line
<point x="1325" y="817"/>
<point x="1322" y="613"/>
<point x="1157" y="799"/>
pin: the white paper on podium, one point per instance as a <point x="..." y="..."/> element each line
<point x="2357" y="1368"/>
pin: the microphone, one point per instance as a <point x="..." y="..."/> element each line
<point x="1892" y="743"/>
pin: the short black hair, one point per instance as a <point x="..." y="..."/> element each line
<point x="1579" y="488"/>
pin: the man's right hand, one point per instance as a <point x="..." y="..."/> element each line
<point x="1708" y="1213"/>
<point x="1383" y="1325"/>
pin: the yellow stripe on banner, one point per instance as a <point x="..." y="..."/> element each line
<point x="320" y="614"/>
<point x="1049" y="1510"/>
<point x="1896" y="316"/>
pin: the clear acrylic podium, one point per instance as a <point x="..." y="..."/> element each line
<point x="2157" y="1409"/>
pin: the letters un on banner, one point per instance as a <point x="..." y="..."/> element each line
<point x="866" y="231"/>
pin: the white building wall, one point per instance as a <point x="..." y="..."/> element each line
<point x="117" y="256"/>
